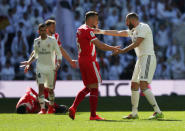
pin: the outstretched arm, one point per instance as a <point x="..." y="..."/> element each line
<point x="67" y="57"/>
<point x="131" y="46"/>
<point x="26" y="64"/>
<point x="122" y="33"/>
<point x="105" y="47"/>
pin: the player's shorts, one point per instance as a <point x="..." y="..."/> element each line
<point x="90" y="72"/>
<point x="48" y="79"/>
<point x="144" y="68"/>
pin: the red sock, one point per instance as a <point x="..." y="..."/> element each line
<point x="93" y="99"/>
<point x="80" y="97"/>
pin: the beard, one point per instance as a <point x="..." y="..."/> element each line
<point x="130" y="26"/>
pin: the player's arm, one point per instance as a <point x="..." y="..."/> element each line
<point x="122" y="33"/>
<point x="67" y="57"/>
<point x="58" y="53"/>
<point x="105" y="47"/>
<point x="26" y="64"/>
<point x="131" y="46"/>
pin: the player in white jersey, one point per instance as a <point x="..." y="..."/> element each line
<point x="142" y="43"/>
<point x="45" y="51"/>
<point x="51" y="24"/>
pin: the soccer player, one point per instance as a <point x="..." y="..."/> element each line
<point x="46" y="50"/>
<point x="89" y="68"/>
<point x="142" y="43"/>
<point x="29" y="103"/>
<point x="51" y="24"/>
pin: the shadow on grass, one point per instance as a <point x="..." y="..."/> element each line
<point x="162" y="120"/>
<point x="114" y="120"/>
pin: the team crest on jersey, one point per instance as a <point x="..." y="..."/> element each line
<point x="79" y="32"/>
<point x="92" y="34"/>
<point x="48" y="45"/>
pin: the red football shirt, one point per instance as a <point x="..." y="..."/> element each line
<point x="30" y="100"/>
<point x="56" y="35"/>
<point x="86" y="49"/>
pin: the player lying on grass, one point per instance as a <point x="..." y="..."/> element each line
<point x="89" y="67"/>
<point x="29" y="103"/>
<point x="142" y="43"/>
<point x="48" y="55"/>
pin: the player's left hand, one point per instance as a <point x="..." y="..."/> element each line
<point x="118" y="51"/>
<point x="73" y="63"/>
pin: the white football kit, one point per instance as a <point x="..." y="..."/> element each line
<point x="45" y="53"/>
<point x="146" y="59"/>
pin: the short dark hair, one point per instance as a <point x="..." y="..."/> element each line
<point x="49" y="22"/>
<point x="90" y="14"/>
<point x="21" y="109"/>
<point x="41" y="25"/>
<point x="133" y="15"/>
<point x="61" y="109"/>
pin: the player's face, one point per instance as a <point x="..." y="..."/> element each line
<point x="42" y="31"/>
<point x="95" y="22"/>
<point x="129" y="23"/>
<point x="51" y="29"/>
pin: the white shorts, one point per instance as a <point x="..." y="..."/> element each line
<point x="48" y="78"/>
<point x="144" y="69"/>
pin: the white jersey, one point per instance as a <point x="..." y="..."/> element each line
<point x="45" y="53"/>
<point x="146" y="47"/>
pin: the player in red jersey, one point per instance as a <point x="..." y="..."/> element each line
<point x="89" y="68"/>
<point x="51" y="24"/>
<point x="29" y="103"/>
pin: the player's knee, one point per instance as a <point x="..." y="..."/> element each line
<point x="134" y="86"/>
<point x="143" y="85"/>
<point x="51" y="91"/>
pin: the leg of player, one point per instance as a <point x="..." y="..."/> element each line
<point x="51" y="108"/>
<point x="41" y="99"/>
<point x="151" y="99"/>
<point x="134" y="101"/>
<point x="81" y="95"/>
<point x="93" y="100"/>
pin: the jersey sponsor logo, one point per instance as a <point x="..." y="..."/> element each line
<point x="92" y="34"/>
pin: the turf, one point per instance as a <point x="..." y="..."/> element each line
<point x="173" y="121"/>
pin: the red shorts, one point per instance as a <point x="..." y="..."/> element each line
<point x="90" y="71"/>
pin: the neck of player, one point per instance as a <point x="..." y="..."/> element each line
<point x="43" y="37"/>
<point x="89" y="24"/>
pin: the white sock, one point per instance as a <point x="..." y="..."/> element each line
<point x="51" y="99"/>
<point x="41" y="101"/>
<point x="135" y="102"/>
<point x="151" y="99"/>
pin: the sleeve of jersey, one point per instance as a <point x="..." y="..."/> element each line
<point x="91" y="35"/>
<point x="58" y="39"/>
<point x="35" y="50"/>
<point x="142" y="32"/>
<point x="57" y="50"/>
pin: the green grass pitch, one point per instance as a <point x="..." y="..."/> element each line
<point x="173" y="121"/>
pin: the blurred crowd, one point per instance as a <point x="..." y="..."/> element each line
<point x="20" y="18"/>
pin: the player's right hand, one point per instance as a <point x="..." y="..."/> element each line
<point x="116" y="50"/>
<point x="26" y="66"/>
<point x="97" y="31"/>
